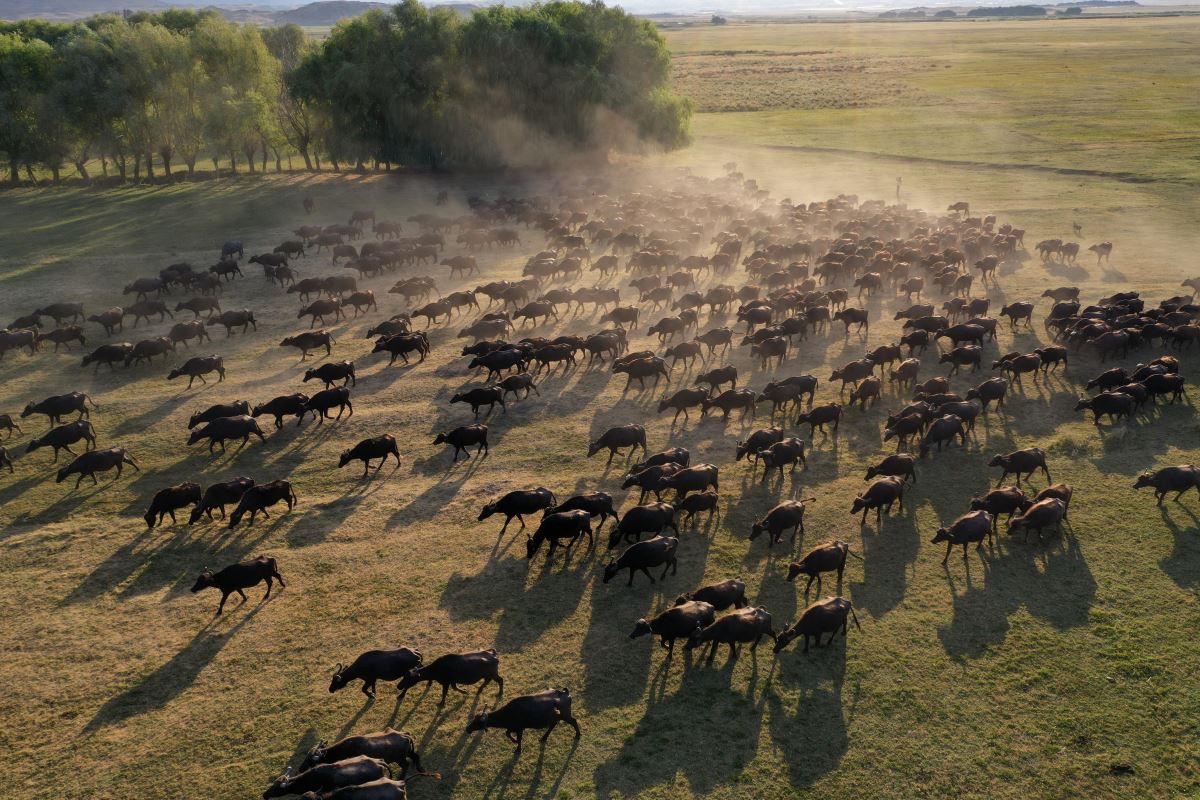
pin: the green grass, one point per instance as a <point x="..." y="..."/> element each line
<point x="1078" y="94"/>
<point x="1028" y="671"/>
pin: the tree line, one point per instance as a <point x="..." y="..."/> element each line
<point x="158" y="94"/>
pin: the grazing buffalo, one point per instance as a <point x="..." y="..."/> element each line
<point x="974" y="526"/>
<point x="1045" y="513"/>
<point x="328" y="780"/>
<point x="222" y="429"/>
<point x="830" y="557"/>
<point x="323" y="402"/>
<point x="462" y="438"/>
<point x="168" y="501"/>
<point x="745" y="626"/>
<point x="391" y="746"/>
<point x="373" y="666"/>
<point x="1170" y="479"/>
<point x="62" y="437"/>
<point x="824" y="616"/>
<point x="641" y="556"/>
<point x="219" y="495"/>
<point x="1021" y="462"/>
<point x="55" y="406"/>
<point x="239" y="577"/>
<point x="880" y="496"/>
<point x="677" y="622"/>
<point x="283" y="406"/>
<point x="198" y="367"/>
<point x="87" y="464"/>
<point x="521" y="502"/>
<point x="455" y="669"/>
<point x="543" y="710"/>
<point x="376" y="447"/>
<point x="259" y="497"/>
<point x="307" y="342"/>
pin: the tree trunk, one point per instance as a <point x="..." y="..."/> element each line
<point x="122" y="167"/>
<point x="150" y="165"/>
<point x="233" y="162"/>
<point x="165" y="154"/>
<point x="316" y="159"/>
<point x="249" y="151"/>
<point x="104" y="164"/>
<point x="14" y="172"/>
<point x="334" y="162"/>
<point x="264" y="155"/>
<point x="137" y="166"/>
<point x="190" y="161"/>
<point x="81" y="165"/>
<point x="29" y="173"/>
<point x="308" y="164"/>
<point x="216" y="165"/>
<point x="54" y="171"/>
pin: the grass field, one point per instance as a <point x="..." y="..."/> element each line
<point x="1029" y="671"/>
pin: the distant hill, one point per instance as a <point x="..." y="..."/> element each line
<point x="330" y="12"/>
<point x="323" y="13"/>
<point x="327" y="12"/>
<point x="50" y="9"/>
<point x="1007" y="11"/>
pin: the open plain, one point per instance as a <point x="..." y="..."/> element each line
<point x="1064" y="668"/>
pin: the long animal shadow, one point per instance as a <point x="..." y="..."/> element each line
<point x="1183" y="565"/>
<point x="813" y="736"/>
<point x="303" y="747"/>
<point x="551" y="597"/>
<point x="168" y="681"/>
<point x="151" y="416"/>
<point x="170" y="557"/>
<point x="656" y="755"/>
<point x="889" y="554"/>
<point x="1051" y="580"/>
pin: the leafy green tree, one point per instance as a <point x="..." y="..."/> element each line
<point x="25" y="69"/>
<point x="568" y="70"/>
<point x="242" y="78"/>
<point x="86" y="94"/>
<point x="296" y="116"/>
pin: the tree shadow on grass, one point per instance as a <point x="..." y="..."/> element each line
<point x="171" y="679"/>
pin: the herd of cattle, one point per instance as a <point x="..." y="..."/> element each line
<point x="683" y="250"/>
